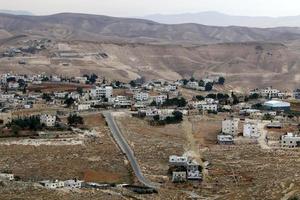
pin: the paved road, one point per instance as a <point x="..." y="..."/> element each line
<point x="121" y="141"/>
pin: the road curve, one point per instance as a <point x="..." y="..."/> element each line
<point x="121" y="141"/>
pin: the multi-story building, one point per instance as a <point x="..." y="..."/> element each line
<point x="122" y="101"/>
<point x="268" y="92"/>
<point x="296" y="94"/>
<point x="192" y="85"/>
<point x="251" y="130"/>
<point x="13" y="85"/>
<point x="141" y="96"/>
<point x="102" y="92"/>
<point x="82" y="107"/>
<point x="193" y="170"/>
<point x="290" y="141"/>
<point x="48" y="120"/>
<point x="160" y="99"/>
<point x="230" y="126"/>
<point x="178" y="177"/>
<point x="210" y="107"/>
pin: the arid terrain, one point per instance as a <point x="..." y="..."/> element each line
<point x="245" y="65"/>
<point x="125" y="49"/>
<point x="236" y="172"/>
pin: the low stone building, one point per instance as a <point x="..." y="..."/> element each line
<point x="178" y="177"/>
<point x="290" y="140"/>
<point x="225" y="139"/>
<point x="6" y="176"/>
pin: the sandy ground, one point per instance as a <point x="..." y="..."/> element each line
<point x="98" y="156"/>
<point x="244" y="171"/>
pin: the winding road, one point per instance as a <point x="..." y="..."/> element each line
<point x="121" y="141"/>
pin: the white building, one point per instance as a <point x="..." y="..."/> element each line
<point x="60" y="95"/>
<point x="160" y="99"/>
<point x="171" y="88"/>
<point x="210" y="107"/>
<point x="178" y="160"/>
<point x="192" y="85"/>
<point x="48" y="120"/>
<point x="267" y="92"/>
<point x="55" y="79"/>
<point x="7" y="96"/>
<point x="100" y="92"/>
<point x="290" y="141"/>
<point x="178" y="177"/>
<point x="81" y="79"/>
<point x="193" y="172"/>
<point x="73" y="183"/>
<point x="251" y="130"/>
<point x="208" y="80"/>
<point x="6" y="176"/>
<point x="52" y="184"/>
<point x="206" y="106"/>
<point x="13" y="85"/>
<point x="74" y="95"/>
<point x="82" y="107"/>
<point x="141" y="96"/>
<point x="230" y="126"/>
<point x="122" y="101"/>
<point x="225" y="139"/>
<point x="150" y="112"/>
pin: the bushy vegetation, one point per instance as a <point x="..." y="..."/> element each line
<point x="46" y="97"/>
<point x="221" y="80"/>
<point x="75" y="120"/>
<point x="209" y="87"/>
<point x="91" y="79"/>
<point x="176" y="118"/>
<point x="253" y="96"/>
<point x="69" y="102"/>
<point x="200" y="98"/>
<point x="28" y="123"/>
<point x="179" y="102"/>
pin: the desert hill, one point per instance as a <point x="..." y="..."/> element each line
<point x="95" y="27"/>
<point x="126" y="49"/>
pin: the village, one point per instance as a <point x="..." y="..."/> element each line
<point x="49" y="110"/>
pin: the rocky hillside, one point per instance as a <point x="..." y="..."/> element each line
<point x="94" y="27"/>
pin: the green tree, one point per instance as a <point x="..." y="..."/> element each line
<point x="75" y="120"/>
<point x="201" y="83"/>
<point x="185" y="81"/>
<point x="93" y="78"/>
<point x="132" y="83"/>
<point x="15" y="129"/>
<point x="46" y="97"/>
<point x="200" y="98"/>
<point x="69" y="102"/>
<point x="253" y="96"/>
<point x="211" y="96"/>
<point x="178" y="117"/>
<point x="221" y="80"/>
<point x="79" y="90"/>
<point x="208" y="87"/>
<point x="156" y="118"/>
<point x="153" y="103"/>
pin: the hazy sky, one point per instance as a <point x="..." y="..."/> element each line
<point x="146" y="7"/>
